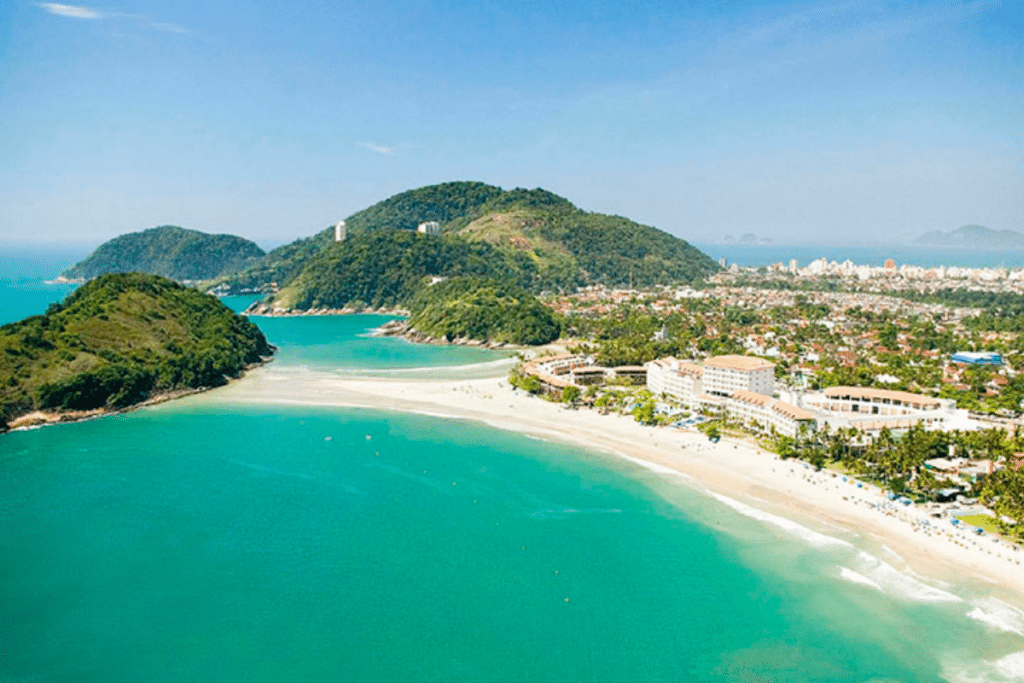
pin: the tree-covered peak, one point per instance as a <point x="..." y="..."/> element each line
<point x="118" y="340"/>
<point x="442" y="203"/>
<point x="169" y="250"/>
<point x="538" y="198"/>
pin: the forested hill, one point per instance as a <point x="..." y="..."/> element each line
<point x="482" y="308"/>
<point x="119" y="340"/>
<point x="573" y="247"/>
<point x="443" y="203"/>
<point x="537" y="239"/>
<point x="171" y="251"/>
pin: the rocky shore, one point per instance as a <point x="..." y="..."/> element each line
<point x="264" y="308"/>
<point x="40" y="418"/>
<point x="401" y="328"/>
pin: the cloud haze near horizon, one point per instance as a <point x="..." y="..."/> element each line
<point x="801" y="122"/>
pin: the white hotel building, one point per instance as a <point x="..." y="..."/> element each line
<point x="740" y="386"/>
<point x="681" y="380"/>
<point x="724" y="375"/>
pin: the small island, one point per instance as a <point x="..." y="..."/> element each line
<point x="119" y="341"/>
<point x="174" y="252"/>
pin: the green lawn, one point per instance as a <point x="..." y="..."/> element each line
<point x="984" y="521"/>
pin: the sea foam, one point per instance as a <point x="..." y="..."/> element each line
<point x="998" y="615"/>
<point x="810" y="536"/>
<point x="900" y="584"/>
<point x="856" y="577"/>
<point x="655" y="467"/>
<point x="1008" y="669"/>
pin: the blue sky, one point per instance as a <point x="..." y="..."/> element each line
<point x="806" y="122"/>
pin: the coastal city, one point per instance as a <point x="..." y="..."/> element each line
<point x="831" y="377"/>
<point x="887" y="277"/>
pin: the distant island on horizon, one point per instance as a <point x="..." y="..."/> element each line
<point x="973" y="237"/>
<point x="966" y="236"/>
<point x="170" y="251"/>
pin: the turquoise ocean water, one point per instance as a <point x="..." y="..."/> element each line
<point x="200" y="540"/>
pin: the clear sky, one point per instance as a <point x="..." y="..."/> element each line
<point x="806" y="122"/>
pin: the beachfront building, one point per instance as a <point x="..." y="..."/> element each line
<point x="765" y="414"/>
<point x="872" y="410"/>
<point x="680" y="380"/>
<point x="634" y="374"/>
<point x="740" y="388"/>
<point x="724" y="375"/>
<point x="737" y="387"/>
<point x="556" y="372"/>
<point x="429" y="228"/>
<point x="589" y="375"/>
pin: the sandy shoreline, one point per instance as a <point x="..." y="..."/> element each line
<point x="930" y="547"/>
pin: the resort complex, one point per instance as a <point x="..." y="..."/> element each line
<point x="742" y="389"/>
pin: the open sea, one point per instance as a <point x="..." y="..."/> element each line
<point x="200" y="540"/>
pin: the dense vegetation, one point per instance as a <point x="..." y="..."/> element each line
<point x="483" y="308"/>
<point x="573" y="247"/>
<point x="550" y="244"/>
<point x="1000" y="311"/>
<point x="118" y="340"/>
<point x="170" y="251"/>
<point x="405" y="211"/>
<point x="898" y="463"/>
<point x="386" y="268"/>
<point x="443" y="203"/>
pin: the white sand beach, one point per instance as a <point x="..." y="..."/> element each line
<point x="740" y="474"/>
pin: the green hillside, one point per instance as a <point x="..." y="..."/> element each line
<point x="171" y="251"/>
<point x="537" y="239"/>
<point x="118" y="340"/>
<point x="443" y="203"/>
<point x="572" y="247"/>
<point x="405" y="211"/>
<point x="387" y="267"/>
<point x="485" y="309"/>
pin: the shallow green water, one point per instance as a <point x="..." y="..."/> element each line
<point x="185" y="543"/>
<point x="343" y="344"/>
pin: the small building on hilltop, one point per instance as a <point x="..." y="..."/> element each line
<point x="429" y="228"/>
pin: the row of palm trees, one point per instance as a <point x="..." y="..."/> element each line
<point x="898" y="462"/>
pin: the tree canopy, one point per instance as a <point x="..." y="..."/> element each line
<point x="483" y="308"/>
<point x="171" y="251"/>
<point x="119" y="339"/>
